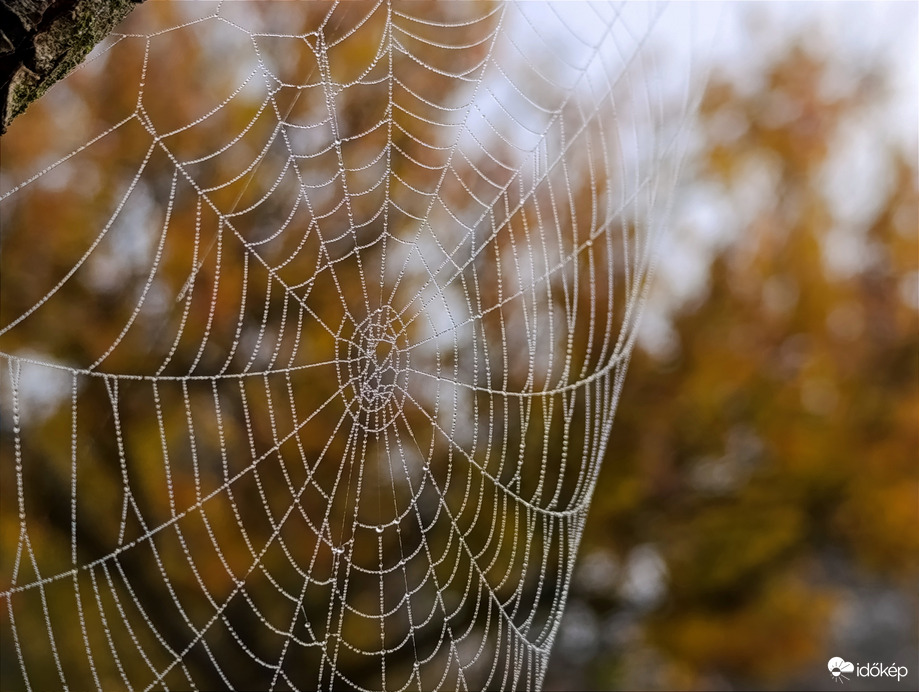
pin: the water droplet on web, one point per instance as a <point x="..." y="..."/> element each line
<point x="379" y="529"/>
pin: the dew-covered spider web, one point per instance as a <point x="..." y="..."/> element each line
<point x="314" y="319"/>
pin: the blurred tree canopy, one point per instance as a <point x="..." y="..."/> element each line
<point x="768" y="460"/>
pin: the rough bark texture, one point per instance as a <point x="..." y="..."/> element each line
<point x="42" y="40"/>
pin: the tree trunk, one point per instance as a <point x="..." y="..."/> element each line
<point x="43" y="40"/>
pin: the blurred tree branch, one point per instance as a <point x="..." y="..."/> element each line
<point x="43" y="40"/>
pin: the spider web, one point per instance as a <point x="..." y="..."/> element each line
<point x="310" y="380"/>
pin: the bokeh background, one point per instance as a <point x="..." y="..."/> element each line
<point x="756" y="513"/>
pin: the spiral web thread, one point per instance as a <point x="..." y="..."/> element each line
<point x="315" y="394"/>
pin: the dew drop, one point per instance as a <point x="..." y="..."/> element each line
<point x="379" y="529"/>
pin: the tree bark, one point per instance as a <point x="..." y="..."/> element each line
<point x="43" y="40"/>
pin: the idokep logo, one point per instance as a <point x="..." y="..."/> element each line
<point x="838" y="668"/>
